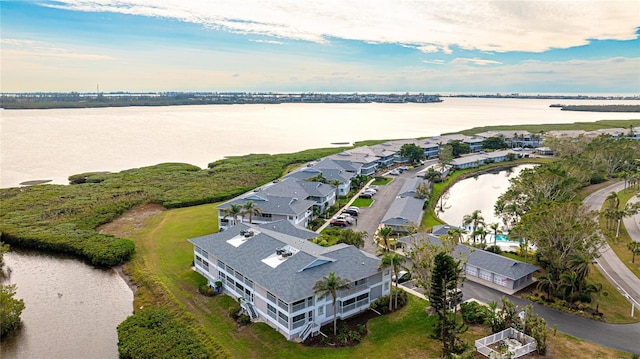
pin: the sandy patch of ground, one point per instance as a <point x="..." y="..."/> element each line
<point x="131" y="221"/>
<point x="125" y="225"/>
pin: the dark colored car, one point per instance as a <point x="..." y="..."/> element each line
<point x="366" y="195"/>
<point x="351" y="212"/>
<point x="403" y="276"/>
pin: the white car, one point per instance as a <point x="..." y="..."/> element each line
<point x="394" y="173"/>
<point x="346" y="217"/>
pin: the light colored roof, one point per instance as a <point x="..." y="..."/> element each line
<point x="272" y="204"/>
<point x="404" y="211"/>
<point x="409" y="187"/>
<point x="294" y="277"/>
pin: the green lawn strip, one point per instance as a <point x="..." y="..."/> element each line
<point x="381" y="182"/>
<point x="362" y="202"/>
<point x="615" y="307"/>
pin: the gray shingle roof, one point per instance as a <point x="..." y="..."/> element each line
<point x="272" y="204"/>
<point x="407" y="208"/>
<point x="288" y="280"/>
<point x="507" y="267"/>
<point x="288" y="228"/>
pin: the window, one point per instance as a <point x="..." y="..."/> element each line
<point x="204" y="253"/>
<point x="240" y="287"/>
<point x="360" y="282"/>
<point x="271" y="310"/>
<point x="309" y="301"/>
<point x="198" y="249"/>
<point x="221" y="264"/>
<point x="283" y="319"/>
<point x="321" y="310"/>
<point x="239" y="276"/>
<point x="299" y="320"/>
<point x="230" y="270"/>
<point x="298" y="305"/>
<point x="283" y="305"/>
<point x="266" y="215"/>
<point x="271" y="298"/>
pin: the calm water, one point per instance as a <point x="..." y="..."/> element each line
<point x="477" y="193"/>
<point x="53" y="144"/>
<point x="72" y="309"/>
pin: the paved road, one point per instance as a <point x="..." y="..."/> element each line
<point x="625" y="337"/>
<point x="609" y="263"/>
<point x="632" y="224"/>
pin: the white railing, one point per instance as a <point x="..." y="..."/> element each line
<point x="482" y="344"/>
<point x="310" y="328"/>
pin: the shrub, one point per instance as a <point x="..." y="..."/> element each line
<point x="154" y="333"/>
<point x="474" y="313"/>
<point x="494" y="249"/>
<point x="234" y="311"/>
<point x="206" y="290"/>
<point x="243" y="319"/>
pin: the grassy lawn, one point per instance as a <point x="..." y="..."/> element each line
<point x="381" y="182"/>
<point x="362" y="202"/>
<point x="161" y="269"/>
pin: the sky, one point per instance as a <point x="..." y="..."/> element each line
<point x="349" y="46"/>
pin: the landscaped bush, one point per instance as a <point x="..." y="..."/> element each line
<point x="474" y="313"/>
<point x="494" y="249"/>
<point x="154" y="333"/>
<point x="206" y="290"/>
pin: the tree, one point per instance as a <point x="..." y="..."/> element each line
<point x="351" y="237"/>
<point x="495" y="227"/>
<point x="383" y="238"/>
<point x="458" y="148"/>
<point x="634" y="247"/>
<point x="10" y="307"/>
<point x="474" y="219"/>
<point x="394" y="261"/>
<point x="565" y="234"/>
<point x="251" y="209"/>
<point x="233" y="211"/>
<point x="331" y="284"/>
<point x="411" y="152"/>
<point x="445" y="278"/>
<point x="494" y="143"/>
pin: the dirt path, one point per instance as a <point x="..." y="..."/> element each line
<point x="124" y="226"/>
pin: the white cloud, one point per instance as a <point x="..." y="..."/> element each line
<point x="39" y="49"/>
<point x="267" y="42"/>
<point x="437" y="62"/>
<point x="475" y="61"/>
<point x="496" y="26"/>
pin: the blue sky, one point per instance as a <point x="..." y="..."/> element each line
<point x="327" y="46"/>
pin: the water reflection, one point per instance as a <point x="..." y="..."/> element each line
<point x="479" y="192"/>
<point x="72" y="309"/>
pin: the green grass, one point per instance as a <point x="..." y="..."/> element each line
<point x="382" y="182"/>
<point x="619" y="244"/>
<point x="362" y="202"/>
<point x="616" y="308"/>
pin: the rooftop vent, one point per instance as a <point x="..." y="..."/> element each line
<point x="279" y="251"/>
<point x="247" y="234"/>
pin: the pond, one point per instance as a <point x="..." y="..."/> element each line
<point x="72" y="309"/>
<point x="476" y="193"/>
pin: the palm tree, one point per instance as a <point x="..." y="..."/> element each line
<point x="331" y="284"/>
<point x="547" y="284"/>
<point x="382" y="238"/>
<point x="571" y="283"/>
<point x="233" y="211"/>
<point x="579" y="263"/>
<point x="634" y="247"/>
<point x="495" y="227"/>
<point x="394" y="261"/>
<point x="457" y="233"/>
<point x="251" y="209"/>
<point x="474" y="219"/>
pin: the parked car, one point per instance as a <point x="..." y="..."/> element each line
<point x="403" y="276"/>
<point x="350" y="211"/>
<point x="339" y="222"/>
<point x="394" y="173"/>
<point x="346" y="217"/>
<point x="357" y="209"/>
<point x="366" y="195"/>
<point x="369" y="191"/>
<point x="403" y="168"/>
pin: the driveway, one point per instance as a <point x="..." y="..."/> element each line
<point x="370" y="217"/>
